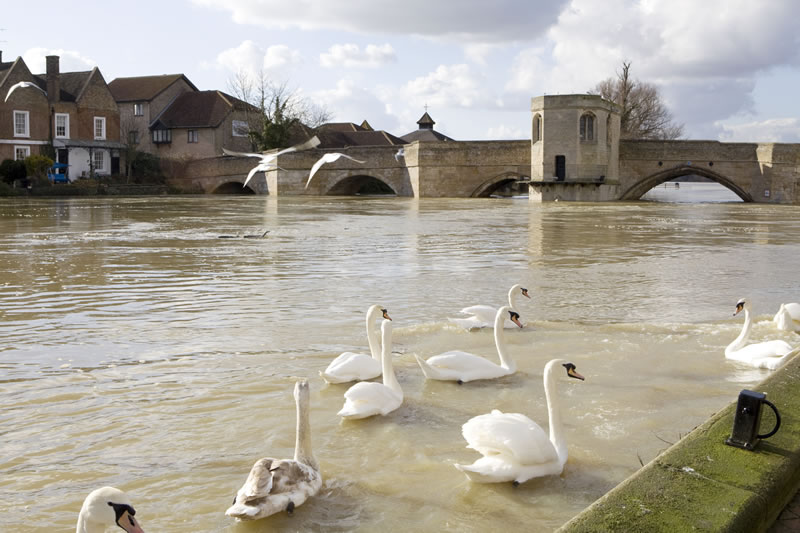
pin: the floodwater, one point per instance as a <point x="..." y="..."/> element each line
<point x="140" y="350"/>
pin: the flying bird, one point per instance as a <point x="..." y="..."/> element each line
<point x="400" y="153"/>
<point x="267" y="160"/>
<point x="22" y="85"/>
<point x="327" y="158"/>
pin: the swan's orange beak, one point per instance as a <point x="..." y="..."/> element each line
<point x="571" y="372"/>
<point x="739" y="308"/>
<point x="386" y="314"/>
<point x="129" y="523"/>
<point x="525" y="293"/>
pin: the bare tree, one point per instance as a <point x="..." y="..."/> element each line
<point x="282" y="113"/>
<point x="131" y="136"/>
<point x="644" y="115"/>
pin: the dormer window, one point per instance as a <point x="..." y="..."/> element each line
<point x="162" y="136"/>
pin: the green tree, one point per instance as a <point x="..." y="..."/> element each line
<point x="36" y="166"/>
<point x="644" y="114"/>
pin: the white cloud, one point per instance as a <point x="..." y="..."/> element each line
<point x="351" y="103"/>
<point x="70" y="61"/>
<point x="507" y="132"/>
<point x="350" y="55"/>
<point x="251" y="58"/>
<point x="467" y="21"/>
<point x="782" y="130"/>
<point x="449" y="86"/>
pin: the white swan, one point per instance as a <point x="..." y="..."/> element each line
<point x="368" y="398"/>
<point x="350" y="366"/>
<point x="767" y="354"/>
<point x="788" y="317"/>
<point x="104" y="508"/>
<point x="514" y="447"/>
<point x="464" y="366"/>
<point x="276" y="485"/>
<point x="482" y="316"/>
<point x="328" y="158"/>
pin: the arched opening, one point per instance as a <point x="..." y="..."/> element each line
<point x="232" y="187"/>
<point x="638" y="190"/>
<point x="536" y="130"/>
<point x="509" y="185"/>
<point x="586" y="127"/>
<point x="361" y="186"/>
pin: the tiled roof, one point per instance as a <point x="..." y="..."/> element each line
<point x="342" y="139"/>
<point x="71" y="84"/>
<point x="425" y="135"/>
<point x="425" y="120"/>
<point x="143" y="88"/>
<point x="201" y="109"/>
<point x="342" y="126"/>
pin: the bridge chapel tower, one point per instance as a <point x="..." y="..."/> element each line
<point x="574" y="148"/>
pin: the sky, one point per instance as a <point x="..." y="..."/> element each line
<point x="728" y="70"/>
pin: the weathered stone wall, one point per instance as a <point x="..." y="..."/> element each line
<point x="760" y="172"/>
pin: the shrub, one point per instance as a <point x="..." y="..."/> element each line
<point x="37" y="166"/>
<point x="11" y="170"/>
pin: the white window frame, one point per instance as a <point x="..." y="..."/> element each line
<point x="239" y="128"/>
<point x="138" y="109"/>
<point x="101" y="155"/>
<point x="100" y="121"/>
<point x="65" y="116"/>
<point x="25" y="149"/>
<point x="27" y="125"/>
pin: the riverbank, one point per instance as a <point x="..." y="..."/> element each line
<point x="700" y="483"/>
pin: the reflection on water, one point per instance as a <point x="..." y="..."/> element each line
<point x="691" y="192"/>
<point x="142" y="351"/>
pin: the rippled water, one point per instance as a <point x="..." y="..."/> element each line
<point x="141" y="350"/>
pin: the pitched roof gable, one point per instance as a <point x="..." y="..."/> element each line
<point x="201" y="109"/>
<point x="144" y="88"/>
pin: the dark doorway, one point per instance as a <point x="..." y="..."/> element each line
<point x="115" y="165"/>
<point x="561" y="167"/>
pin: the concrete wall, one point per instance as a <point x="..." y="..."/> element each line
<point x="702" y="484"/>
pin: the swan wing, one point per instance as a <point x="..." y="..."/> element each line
<point x="485" y="313"/>
<point x="351" y="158"/>
<point x="367" y="399"/>
<point x="464" y="366"/>
<point x="512" y="436"/>
<point x="794" y="310"/>
<point x="258" y="483"/>
<point x="290" y="482"/>
<point x="760" y="350"/>
<point x="240" y="154"/>
<point x="321" y="161"/>
<point x="251" y="174"/>
<point x="351" y="366"/>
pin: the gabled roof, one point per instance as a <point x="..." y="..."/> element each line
<point x="426" y="121"/>
<point x="343" y="126"/>
<point x="143" y="88"/>
<point x="425" y="135"/>
<point x="200" y="109"/>
<point x="72" y="84"/>
<point x="342" y="139"/>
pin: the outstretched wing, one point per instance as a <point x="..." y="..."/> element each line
<point x="321" y="161"/>
<point x="240" y="154"/>
<point x="351" y="158"/>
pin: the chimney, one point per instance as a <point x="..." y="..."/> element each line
<point x="53" y="77"/>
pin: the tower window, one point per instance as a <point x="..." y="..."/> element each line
<point x="587" y="127"/>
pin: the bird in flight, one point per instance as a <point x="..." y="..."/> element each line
<point x="267" y="162"/>
<point x="22" y="85"/>
<point x="327" y="158"/>
<point x="400" y="153"/>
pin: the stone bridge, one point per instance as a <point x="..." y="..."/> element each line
<point x="428" y="169"/>
<point x="574" y="154"/>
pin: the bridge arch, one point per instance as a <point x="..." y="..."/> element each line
<point x="360" y="184"/>
<point x="638" y="189"/>
<point x="485" y="189"/>
<point x="232" y="187"/>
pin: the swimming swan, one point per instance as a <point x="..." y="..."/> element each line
<point x="106" y="507"/>
<point x="351" y="366"/>
<point x="368" y="398"/>
<point x="483" y="315"/>
<point x="276" y="485"/>
<point x="464" y="366"/>
<point x="767" y="354"/>
<point x="788" y="317"/>
<point x="514" y="447"/>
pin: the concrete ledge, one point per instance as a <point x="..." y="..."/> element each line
<point x="702" y="484"/>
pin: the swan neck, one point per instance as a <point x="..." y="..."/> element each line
<point x="85" y="526"/>
<point x="302" y="445"/>
<point x="512" y="297"/>
<point x="389" y="378"/>
<point x="373" y="337"/>
<point x="506" y="361"/>
<point x="557" y="437"/>
<point x="743" y="335"/>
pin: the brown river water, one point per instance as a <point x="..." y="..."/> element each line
<point x="140" y="350"/>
